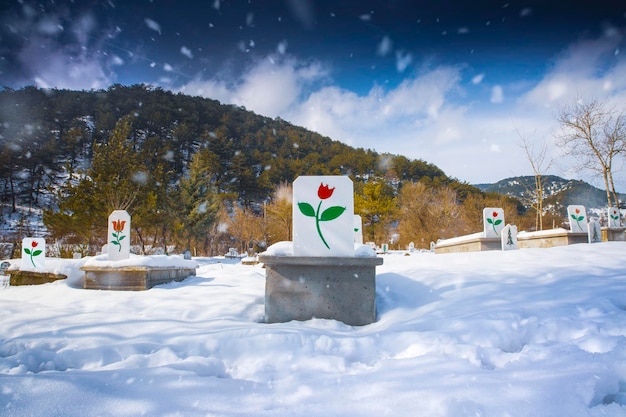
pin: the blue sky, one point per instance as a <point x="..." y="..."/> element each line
<point x="454" y="83"/>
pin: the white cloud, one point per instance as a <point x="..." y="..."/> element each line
<point x="588" y="68"/>
<point x="268" y="88"/>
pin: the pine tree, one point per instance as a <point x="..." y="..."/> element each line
<point x="198" y="201"/>
<point x="113" y="182"/>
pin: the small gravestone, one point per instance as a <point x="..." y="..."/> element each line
<point x="323" y="218"/>
<point x="432" y="246"/>
<point x="358" y="229"/>
<point x="324" y="278"/>
<point x="509" y="237"/>
<point x="614" y="218"/>
<point x="384" y="247"/>
<point x="187" y="255"/>
<point x="6" y="250"/>
<point x="5" y="279"/>
<point x="119" y="236"/>
<point x="33" y="254"/>
<point x="411" y="247"/>
<point x="595" y="231"/>
<point x="577" y="216"/>
<point x="493" y="222"/>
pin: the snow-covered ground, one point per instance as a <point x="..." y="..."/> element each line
<point x="534" y="332"/>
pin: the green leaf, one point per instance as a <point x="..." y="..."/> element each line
<point x="490" y="221"/>
<point x="115" y="243"/>
<point x="27" y="251"/>
<point x="306" y="209"/>
<point x="121" y="237"/>
<point x="580" y="218"/>
<point x="331" y="213"/>
<point x="37" y="252"/>
<point x="497" y="222"/>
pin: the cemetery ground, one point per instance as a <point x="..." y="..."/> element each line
<point x="531" y="332"/>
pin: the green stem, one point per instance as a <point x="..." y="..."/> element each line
<point x="317" y="224"/>
<point x="32" y="261"/>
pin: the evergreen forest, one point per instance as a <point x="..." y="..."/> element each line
<point x="196" y="174"/>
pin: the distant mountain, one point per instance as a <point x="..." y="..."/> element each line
<point x="558" y="191"/>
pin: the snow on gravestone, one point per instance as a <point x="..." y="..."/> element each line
<point x="119" y="236"/>
<point x="577" y="216"/>
<point x="595" y="231"/>
<point x="614" y="222"/>
<point x="509" y="237"/>
<point x="33" y="254"/>
<point x="493" y="222"/>
<point x="323" y="216"/>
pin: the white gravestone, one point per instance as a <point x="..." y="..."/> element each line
<point x="614" y="221"/>
<point x="119" y="236"/>
<point x="595" y="231"/>
<point x="493" y="221"/>
<point x="323" y="216"/>
<point x="509" y="237"/>
<point x="577" y="216"/>
<point x="358" y="229"/>
<point x="412" y="247"/>
<point x="33" y="254"/>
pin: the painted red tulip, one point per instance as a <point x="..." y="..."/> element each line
<point x="494" y="222"/>
<point x="331" y="213"/>
<point x="118" y="227"/>
<point x="324" y="192"/>
<point x="33" y="252"/>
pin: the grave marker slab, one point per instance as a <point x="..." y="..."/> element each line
<point x="33" y="254"/>
<point x="323" y="218"/>
<point x="358" y="229"/>
<point x="119" y="236"/>
<point x="493" y="221"/>
<point x="614" y="218"/>
<point x="577" y="216"/>
<point x="509" y="237"/>
<point x="595" y="231"/>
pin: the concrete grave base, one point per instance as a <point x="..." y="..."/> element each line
<point x="550" y="238"/>
<point x="19" y="277"/>
<point x="613" y="234"/>
<point x="132" y="278"/>
<point x="476" y="242"/>
<point x="337" y="288"/>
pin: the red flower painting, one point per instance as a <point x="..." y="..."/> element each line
<point x="33" y="252"/>
<point x="324" y="192"/>
<point x="615" y="216"/>
<point x="578" y="218"/>
<point x="493" y="221"/>
<point x="118" y="228"/>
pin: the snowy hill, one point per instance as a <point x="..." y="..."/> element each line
<point x="533" y="332"/>
<point x="556" y="189"/>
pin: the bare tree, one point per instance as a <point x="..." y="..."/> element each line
<point x="594" y="134"/>
<point x="540" y="163"/>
